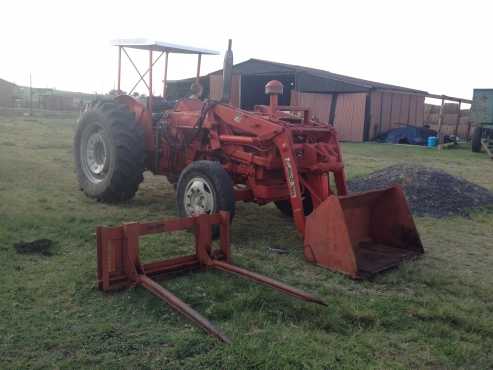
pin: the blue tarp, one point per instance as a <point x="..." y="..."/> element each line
<point x="407" y="135"/>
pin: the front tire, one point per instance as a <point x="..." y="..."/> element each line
<point x="205" y="187"/>
<point x="109" y="152"/>
<point x="285" y="206"/>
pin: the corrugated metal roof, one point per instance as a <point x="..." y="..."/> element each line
<point x="337" y="82"/>
<point x="146" y="44"/>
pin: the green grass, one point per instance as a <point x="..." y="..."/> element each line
<point x="432" y="313"/>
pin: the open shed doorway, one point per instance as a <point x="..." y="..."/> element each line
<point x="253" y="89"/>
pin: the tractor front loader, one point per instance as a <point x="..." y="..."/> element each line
<point x="216" y="154"/>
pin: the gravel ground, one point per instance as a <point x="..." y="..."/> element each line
<point x="430" y="192"/>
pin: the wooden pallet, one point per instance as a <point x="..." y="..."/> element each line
<point x="488" y="147"/>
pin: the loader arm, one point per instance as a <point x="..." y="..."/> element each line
<point x="359" y="234"/>
<point x="292" y="177"/>
<point x="306" y="165"/>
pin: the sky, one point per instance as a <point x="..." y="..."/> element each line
<point x="443" y="47"/>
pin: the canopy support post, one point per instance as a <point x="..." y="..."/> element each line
<point x="119" y="70"/>
<point x="199" y="60"/>
<point x="165" y="79"/>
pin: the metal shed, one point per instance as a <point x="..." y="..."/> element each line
<point x="359" y="109"/>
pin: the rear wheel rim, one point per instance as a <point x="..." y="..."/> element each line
<point x="199" y="197"/>
<point x="95" y="156"/>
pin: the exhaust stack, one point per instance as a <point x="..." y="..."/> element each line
<point x="227" y="73"/>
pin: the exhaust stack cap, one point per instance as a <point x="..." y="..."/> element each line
<point x="274" y="87"/>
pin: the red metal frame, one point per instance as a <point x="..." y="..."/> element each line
<point x="119" y="265"/>
<point x="149" y="71"/>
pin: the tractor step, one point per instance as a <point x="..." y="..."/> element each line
<point x="119" y="264"/>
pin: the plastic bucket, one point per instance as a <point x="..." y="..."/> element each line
<point x="432" y="141"/>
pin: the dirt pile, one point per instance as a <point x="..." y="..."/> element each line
<point x="430" y="192"/>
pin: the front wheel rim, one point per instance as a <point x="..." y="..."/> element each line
<point x="199" y="197"/>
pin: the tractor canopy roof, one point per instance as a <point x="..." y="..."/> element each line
<point x="146" y="44"/>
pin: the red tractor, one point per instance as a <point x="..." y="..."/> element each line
<point x="216" y="154"/>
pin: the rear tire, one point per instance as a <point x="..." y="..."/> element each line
<point x="109" y="152"/>
<point x="205" y="187"/>
<point x="476" y="139"/>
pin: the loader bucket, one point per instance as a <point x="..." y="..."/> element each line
<point x="362" y="234"/>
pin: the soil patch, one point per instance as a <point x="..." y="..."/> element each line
<point x="40" y="246"/>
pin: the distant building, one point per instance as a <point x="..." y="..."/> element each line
<point x="57" y="102"/>
<point x="8" y="91"/>
<point x="52" y="99"/>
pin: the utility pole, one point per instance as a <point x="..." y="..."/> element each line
<point x="440" y="122"/>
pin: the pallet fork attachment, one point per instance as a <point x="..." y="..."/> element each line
<point x="119" y="265"/>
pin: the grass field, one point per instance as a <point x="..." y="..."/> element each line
<point x="434" y="313"/>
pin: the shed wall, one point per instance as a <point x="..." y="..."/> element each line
<point x="350" y="116"/>
<point x="387" y="111"/>
<point x="391" y="110"/>
<point x="216" y="88"/>
<point x="319" y="104"/>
